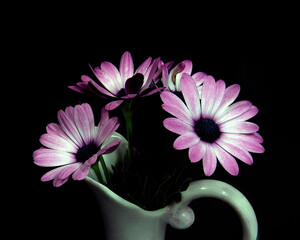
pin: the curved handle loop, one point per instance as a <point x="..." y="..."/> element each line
<point x="183" y="216"/>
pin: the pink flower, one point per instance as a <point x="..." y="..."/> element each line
<point x="75" y="143"/>
<point x="121" y="84"/>
<point x="171" y="80"/>
<point x="215" y="127"/>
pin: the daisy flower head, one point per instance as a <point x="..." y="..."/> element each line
<point x="171" y="80"/>
<point x="121" y="84"/>
<point x="213" y="128"/>
<point x="74" y="145"/>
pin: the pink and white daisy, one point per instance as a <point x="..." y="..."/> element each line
<point x="121" y="84"/>
<point x="171" y="80"/>
<point x="75" y="144"/>
<point x="215" y="127"/>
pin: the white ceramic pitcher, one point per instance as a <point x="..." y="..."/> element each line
<point x="125" y="221"/>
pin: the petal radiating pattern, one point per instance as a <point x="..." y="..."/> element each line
<point x="208" y="96"/>
<point x="191" y="96"/>
<point x="236" y="150"/>
<point x="251" y="112"/>
<point x="239" y="127"/>
<point x="177" y="126"/>
<point x="81" y="172"/>
<point x="250" y="142"/>
<point x="144" y="66"/>
<point x="74" y="145"/>
<point x="104" y="132"/>
<point x="197" y="151"/>
<point x="53" y="158"/>
<point x="84" y="120"/>
<point x="126" y="66"/>
<point x="226" y="160"/>
<point x="234" y="111"/>
<point x="68" y="170"/>
<point x="175" y="106"/>
<point x="211" y="125"/>
<point x="230" y="95"/>
<point x="220" y="91"/>
<point x="112" y="73"/>
<point x="113" y="105"/>
<point x="109" y="148"/>
<point x="111" y="86"/>
<point x="117" y="86"/>
<point x="209" y="161"/>
<point x="53" y="173"/>
<point x="57" y="182"/>
<point x="56" y="142"/>
<point x="186" y="140"/>
<point x="69" y="127"/>
<point x="178" y="112"/>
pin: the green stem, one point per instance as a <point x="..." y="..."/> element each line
<point x="127" y="110"/>
<point x="167" y="178"/>
<point x="105" y="170"/>
<point x="96" y="169"/>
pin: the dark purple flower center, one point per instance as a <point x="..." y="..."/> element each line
<point x="121" y="93"/>
<point x="207" y="130"/>
<point x="85" y="152"/>
<point x="132" y="85"/>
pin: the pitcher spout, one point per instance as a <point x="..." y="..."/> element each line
<point x="125" y="221"/>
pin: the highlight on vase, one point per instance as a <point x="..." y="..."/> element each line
<point x="74" y="144"/>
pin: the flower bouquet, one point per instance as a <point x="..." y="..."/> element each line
<point x="184" y="111"/>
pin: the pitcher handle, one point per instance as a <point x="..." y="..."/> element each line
<point x="182" y="216"/>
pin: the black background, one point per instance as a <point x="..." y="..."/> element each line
<point x="51" y="48"/>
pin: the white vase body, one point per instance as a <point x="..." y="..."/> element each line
<point x="124" y="220"/>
